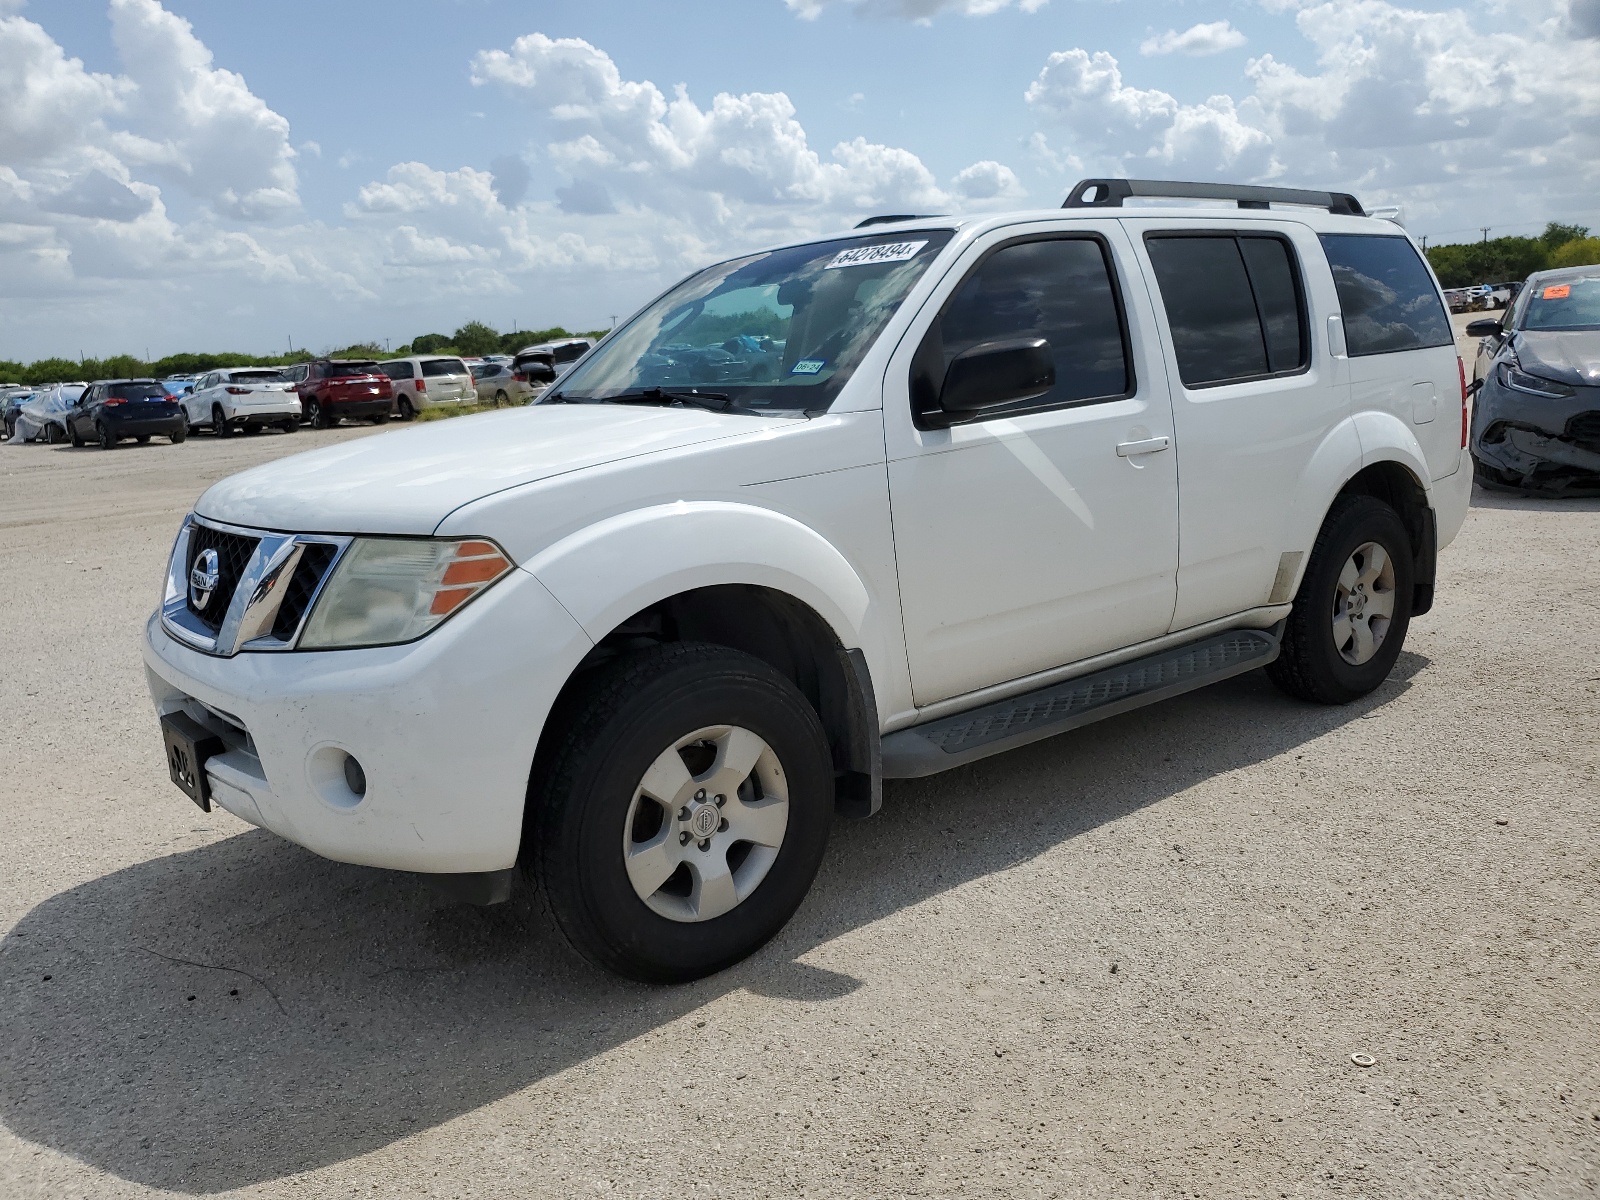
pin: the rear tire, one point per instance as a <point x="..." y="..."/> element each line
<point x="143" y="439"/>
<point x="54" y="435"/>
<point x="616" y="810"/>
<point x="1351" y="614"/>
<point x="290" y="426"/>
<point x="177" y="435"/>
<point x="381" y="419"/>
<point x="319" y="418"/>
<point x="107" y="442"/>
<point x="406" y="411"/>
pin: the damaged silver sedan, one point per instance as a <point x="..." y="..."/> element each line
<point x="1536" y="421"/>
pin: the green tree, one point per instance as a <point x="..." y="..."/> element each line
<point x="54" y="370"/>
<point x="1557" y="235"/>
<point x="476" y="339"/>
<point x="360" y="350"/>
<point x="11" y="372"/>
<point x="429" y="343"/>
<point x="1579" y="252"/>
<point x="1498" y="261"/>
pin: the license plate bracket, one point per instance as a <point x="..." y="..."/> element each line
<point x="189" y="744"/>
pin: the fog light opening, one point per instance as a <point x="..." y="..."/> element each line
<point x="354" y="776"/>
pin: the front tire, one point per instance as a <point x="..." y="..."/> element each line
<point x="1351" y="614"/>
<point x="644" y="871"/>
<point x="500" y="398"/>
<point x="72" y="431"/>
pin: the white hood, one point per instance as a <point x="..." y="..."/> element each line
<point x="408" y="481"/>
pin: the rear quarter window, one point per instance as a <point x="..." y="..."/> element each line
<point x="1386" y="295"/>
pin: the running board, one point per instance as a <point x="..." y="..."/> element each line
<point x="1005" y="725"/>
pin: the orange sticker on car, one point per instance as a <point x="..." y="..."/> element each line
<point x="1559" y="291"/>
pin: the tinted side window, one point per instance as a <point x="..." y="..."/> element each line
<point x="570" y="353"/>
<point x="1386" y="295"/>
<point x="1059" y="289"/>
<point x="1233" y="304"/>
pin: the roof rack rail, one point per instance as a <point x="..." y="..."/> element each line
<point x="1110" y="193"/>
<point x="891" y="218"/>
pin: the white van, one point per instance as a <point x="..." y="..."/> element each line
<point x="872" y="506"/>
<point x="429" y="379"/>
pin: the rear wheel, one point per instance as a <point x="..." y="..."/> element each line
<point x="178" y="434"/>
<point x="381" y="419"/>
<point x="290" y="426"/>
<point x="406" y="411"/>
<point x="320" y="419"/>
<point x="107" y="442"/>
<point x="143" y="439"/>
<point x="683" y="814"/>
<point x="1350" y="616"/>
<point x="54" y="435"/>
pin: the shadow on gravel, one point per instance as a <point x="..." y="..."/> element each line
<point x="234" y="1014"/>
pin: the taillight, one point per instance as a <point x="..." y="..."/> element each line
<point x="1461" y="371"/>
<point x="422" y="385"/>
<point x="238" y="391"/>
<point x="110" y="400"/>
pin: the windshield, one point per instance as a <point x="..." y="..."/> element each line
<point x="1569" y="304"/>
<point x="137" y="391"/>
<point x="344" y="370"/>
<point x="782" y="330"/>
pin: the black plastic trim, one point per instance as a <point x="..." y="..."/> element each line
<point x="1110" y="193"/>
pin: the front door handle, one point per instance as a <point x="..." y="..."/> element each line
<point x="1147" y="446"/>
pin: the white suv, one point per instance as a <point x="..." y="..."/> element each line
<point x="242" y="398"/>
<point x="869" y="507"/>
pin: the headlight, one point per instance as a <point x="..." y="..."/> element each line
<point x="1521" y="381"/>
<point x="388" y="590"/>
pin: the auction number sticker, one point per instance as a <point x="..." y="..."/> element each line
<point x="808" y="366"/>
<point x="871" y="256"/>
<point x="1559" y="291"/>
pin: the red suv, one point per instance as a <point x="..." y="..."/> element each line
<point x="331" y="388"/>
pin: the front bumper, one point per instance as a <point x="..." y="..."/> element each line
<point x="1532" y="442"/>
<point x="445" y="730"/>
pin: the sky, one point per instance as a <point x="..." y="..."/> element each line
<point x="210" y="175"/>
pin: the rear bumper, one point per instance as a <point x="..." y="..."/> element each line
<point x="365" y="407"/>
<point x="129" y="427"/>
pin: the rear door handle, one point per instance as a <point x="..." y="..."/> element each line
<point x="1148" y="446"/>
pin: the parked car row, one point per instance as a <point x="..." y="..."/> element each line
<point x="236" y="400"/>
<point x="1481" y="296"/>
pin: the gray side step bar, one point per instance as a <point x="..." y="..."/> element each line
<point x="954" y="741"/>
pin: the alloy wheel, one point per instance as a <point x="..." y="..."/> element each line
<point x="1363" y="604"/>
<point x="706" y="823"/>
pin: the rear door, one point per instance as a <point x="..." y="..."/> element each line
<point x="1033" y="538"/>
<point x="1256" y="391"/>
<point x="1401" y="346"/>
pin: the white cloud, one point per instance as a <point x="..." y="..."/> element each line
<point x="914" y="10"/>
<point x="1198" y="40"/>
<point x="1428" y="108"/>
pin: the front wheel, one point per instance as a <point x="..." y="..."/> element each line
<point x="1354" y="605"/>
<point x="76" y="439"/>
<point x="682" y="813"/>
<point x="500" y="398"/>
<point x="54" y="435"/>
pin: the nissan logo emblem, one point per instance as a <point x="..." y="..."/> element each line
<point x="203" y="577"/>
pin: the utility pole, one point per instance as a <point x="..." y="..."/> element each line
<point x="1485" y="229"/>
<point x="1424" y="243"/>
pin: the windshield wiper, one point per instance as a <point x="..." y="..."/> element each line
<point x="715" y="401"/>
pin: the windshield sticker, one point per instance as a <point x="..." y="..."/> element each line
<point x="1559" y="292"/>
<point x="871" y="256"/>
<point x="808" y="366"/>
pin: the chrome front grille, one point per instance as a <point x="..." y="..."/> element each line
<point x="254" y="594"/>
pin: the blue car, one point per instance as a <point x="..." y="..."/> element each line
<point x="113" y="409"/>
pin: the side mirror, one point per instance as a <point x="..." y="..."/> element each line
<point x="995" y="374"/>
<point x="189" y="391"/>
<point x="1488" y="327"/>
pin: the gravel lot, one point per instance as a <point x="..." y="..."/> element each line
<point x="1131" y="961"/>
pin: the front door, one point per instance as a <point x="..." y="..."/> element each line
<point x="1033" y="537"/>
